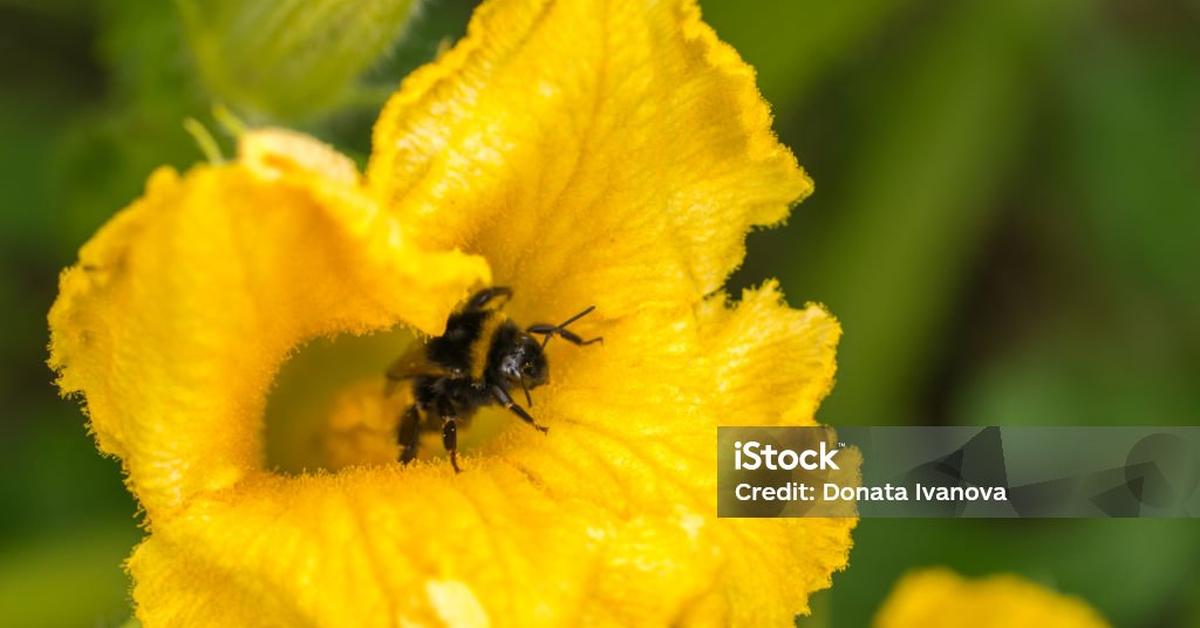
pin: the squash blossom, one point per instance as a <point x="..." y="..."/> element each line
<point x="600" y="152"/>
<point x="939" y="597"/>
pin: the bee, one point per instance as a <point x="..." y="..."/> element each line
<point x="480" y="358"/>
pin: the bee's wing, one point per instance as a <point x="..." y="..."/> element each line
<point x="409" y="365"/>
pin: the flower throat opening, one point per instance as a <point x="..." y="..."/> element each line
<point x="327" y="409"/>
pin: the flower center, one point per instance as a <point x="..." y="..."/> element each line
<point x="328" y="409"/>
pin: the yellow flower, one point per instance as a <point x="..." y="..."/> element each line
<point x="588" y="152"/>
<point x="938" y="597"/>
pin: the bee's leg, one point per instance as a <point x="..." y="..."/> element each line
<point x="482" y="298"/>
<point x="409" y="434"/>
<point x="503" y="398"/>
<point x="450" y="433"/>
<point x="450" y="440"/>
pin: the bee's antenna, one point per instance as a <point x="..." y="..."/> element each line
<point x="561" y="329"/>
<point x="585" y="312"/>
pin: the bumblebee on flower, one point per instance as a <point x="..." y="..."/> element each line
<point x="595" y="152"/>
<point x="476" y="362"/>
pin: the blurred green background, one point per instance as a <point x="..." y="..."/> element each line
<point x="1007" y="222"/>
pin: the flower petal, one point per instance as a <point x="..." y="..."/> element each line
<point x="596" y="150"/>
<point x="607" y="520"/>
<point x="772" y="365"/>
<point x="606" y="152"/>
<point x="180" y="309"/>
<point x="939" y="597"/>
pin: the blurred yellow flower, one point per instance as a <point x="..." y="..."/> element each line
<point x="934" y="598"/>
<point x="597" y="151"/>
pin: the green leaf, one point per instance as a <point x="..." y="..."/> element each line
<point x="939" y="128"/>
<point x="74" y="578"/>
<point x="1133" y="159"/>
<point x="791" y="44"/>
